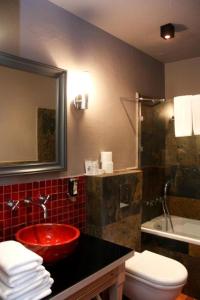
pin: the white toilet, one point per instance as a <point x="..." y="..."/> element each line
<point x="150" y="276"/>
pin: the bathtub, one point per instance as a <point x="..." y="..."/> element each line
<point x="186" y="230"/>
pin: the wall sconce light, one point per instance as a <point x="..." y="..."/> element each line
<point x="167" y="31"/>
<point x="81" y="101"/>
<point x="81" y="89"/>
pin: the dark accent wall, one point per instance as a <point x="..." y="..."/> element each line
<point x="183" y="154"/>
<point x="167" y="157"/>
<point x="153" y="141"/>
<point x="114" y="207"/>
<point x="183" y="157"/>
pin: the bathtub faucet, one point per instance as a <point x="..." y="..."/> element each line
<point x="166" y="213"/>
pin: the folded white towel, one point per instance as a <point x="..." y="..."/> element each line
<point x="6" y="291"/>
<point x="15" y="258"/>
<point x="183" y="116"/>
<point x="196" y="113"/>
<point x="37" y="293"/>
<point x="13" y="281"/>
<point x="12" y="293"/>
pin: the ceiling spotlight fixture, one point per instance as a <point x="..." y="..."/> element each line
<point x="167" y="31"/>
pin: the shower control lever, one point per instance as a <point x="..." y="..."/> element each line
<point x="44" y="199"/>
<point x="13" y="204"/>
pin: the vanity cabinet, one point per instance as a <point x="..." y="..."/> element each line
<point x="96" y="265"/>
<point x="112" y="280"/>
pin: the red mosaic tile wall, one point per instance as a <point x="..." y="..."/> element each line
<point x="60" y="207"/>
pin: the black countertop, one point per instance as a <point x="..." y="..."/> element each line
<point x="91" y="255"/>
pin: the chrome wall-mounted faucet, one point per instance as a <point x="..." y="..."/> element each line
<point x="42" y="203"/>
<point x="44" y="199"/>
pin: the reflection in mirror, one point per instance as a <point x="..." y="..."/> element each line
<point x="32" y="116"/>
<point x="46" y="134"/>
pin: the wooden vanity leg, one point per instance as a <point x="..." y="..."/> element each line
<point x="116" y="290"/>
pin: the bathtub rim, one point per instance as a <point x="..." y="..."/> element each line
<point x="170" y="235"/>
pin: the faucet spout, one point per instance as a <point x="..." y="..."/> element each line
<point x="44" y="210"/>
<point x="29" y="201"/>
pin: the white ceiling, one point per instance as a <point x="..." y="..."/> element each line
<point x="138" y="22"/>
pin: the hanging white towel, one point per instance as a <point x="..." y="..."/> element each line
<point x="12" y="293"/>
<point x="15" y="258"/>
<point x="196" y="113"/>
<point x="13" y="281"/>
<point x="183" y="116"/>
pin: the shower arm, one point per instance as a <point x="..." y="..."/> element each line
<point x="141" y="98"/>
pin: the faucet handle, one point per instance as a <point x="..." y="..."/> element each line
<point x="44" y="199"/>
<point x="13" y="204"/>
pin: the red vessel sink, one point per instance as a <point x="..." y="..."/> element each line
<point x="51" y="241"/>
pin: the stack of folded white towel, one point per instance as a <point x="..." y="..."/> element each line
<point x="22" y="276"/>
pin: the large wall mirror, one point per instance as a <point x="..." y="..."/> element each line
<point x="32" y="116"/>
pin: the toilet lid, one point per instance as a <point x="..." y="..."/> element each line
<point x="156" y="268"/>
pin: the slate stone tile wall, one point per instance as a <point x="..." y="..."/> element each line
<point x="153" y="142"/>
<point x="153" y="132"/>
<point x="185" y="181"/>
<point x="164" y="157"/>
<point x="114" y="207"/>
<point x="153" y="183"/>
<point x="184" y="207"/>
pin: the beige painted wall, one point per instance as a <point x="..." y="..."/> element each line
<point x="21" y="94"/>
<point x="51" y="35"/>
<point x="182" y="77"/>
